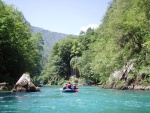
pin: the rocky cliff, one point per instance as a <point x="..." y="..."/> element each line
<point x="125" y="79"/>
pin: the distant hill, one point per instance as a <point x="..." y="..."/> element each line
<point x="49" y="37"/>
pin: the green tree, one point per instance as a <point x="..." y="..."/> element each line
<point x="60" y="57"/>
<point x="17" y="51"/>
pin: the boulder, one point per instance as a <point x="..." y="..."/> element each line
<point x="5" y="86"/>
<point x="24" y="84"/>
<point x="147" y="88"/>
<point x="139" y="87"/>
<point x="131" y="87"/>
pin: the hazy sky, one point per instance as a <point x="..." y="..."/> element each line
<point x="65" y="16"/>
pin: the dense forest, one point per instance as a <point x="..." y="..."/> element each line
<point x="122" y="42"/>
<point x="20" y="50"/>
<point x="23" y="47"/>
<point x="115" y="55"/>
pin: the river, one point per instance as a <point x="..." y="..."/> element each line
<point x="87" y="100"/>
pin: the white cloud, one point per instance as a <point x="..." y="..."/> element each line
<point x="93" y="26"/>
<point x="84" y="28"/>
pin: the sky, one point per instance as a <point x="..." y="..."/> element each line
<point x="64" y="16"/>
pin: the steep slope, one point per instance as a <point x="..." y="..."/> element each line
<point x="49" y="37"/>
<point x="123" y="35"/>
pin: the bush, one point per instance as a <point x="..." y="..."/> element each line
<point x="120" y="84"/>
<point x="76" y="81"/>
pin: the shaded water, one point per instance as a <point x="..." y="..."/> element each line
<point x="87" y="100"/>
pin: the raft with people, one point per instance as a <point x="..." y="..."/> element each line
<point x="70" y="88"/>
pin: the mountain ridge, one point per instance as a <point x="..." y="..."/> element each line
<point x="49" y="37"/>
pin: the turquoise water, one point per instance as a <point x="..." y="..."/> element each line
<point x="87" y="100"/>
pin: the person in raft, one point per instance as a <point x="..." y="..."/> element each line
<point x="65" y="87"/>
<point x="69" y="86"/>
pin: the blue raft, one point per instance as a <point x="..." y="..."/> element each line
<point x="70" y="90"/>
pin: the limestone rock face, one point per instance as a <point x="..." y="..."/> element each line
<point x="119" y="79"/>
<point x="122" y="79"/>
<point x="24" y="84"/>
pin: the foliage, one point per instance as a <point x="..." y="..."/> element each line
<point x="18" y="52"/>
<point x="59" y="60"/>
<point x="123" y="36"/>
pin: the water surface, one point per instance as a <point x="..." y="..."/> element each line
<point x="87" y="100"/>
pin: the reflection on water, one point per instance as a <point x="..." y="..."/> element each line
<point x="87" y="100"/>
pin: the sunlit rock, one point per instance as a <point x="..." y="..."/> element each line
<point x="139" y="87"/>
<point x="119" y="79"/>
<point x="24" y="84"/>
<point x="147" y="88"/>
<point x="3" y="86"/>
<point x="131" y="87"/>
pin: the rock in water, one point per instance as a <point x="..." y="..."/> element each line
<point x="3" y="86"/>
<point x="24" y="84"/>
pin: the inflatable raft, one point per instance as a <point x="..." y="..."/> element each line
<point x="70" y="90"/>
